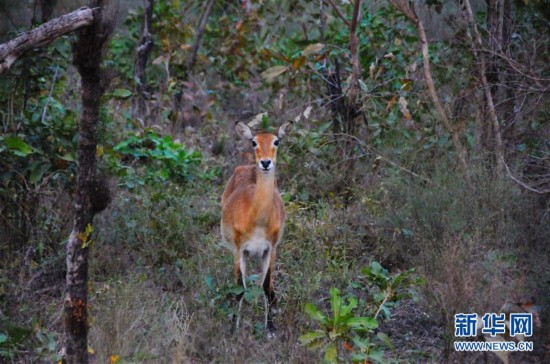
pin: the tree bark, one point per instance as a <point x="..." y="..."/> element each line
<point x="91" y="196"/>
<point x="142" y="55"/>
<point x="43" y="35"/>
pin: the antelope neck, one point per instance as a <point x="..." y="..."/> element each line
<point x="262" y="201"/>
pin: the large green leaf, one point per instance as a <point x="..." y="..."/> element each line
<point x="312" y="337"/>
<point x="121" y="93"/>
<point x="335" y="304"/>
<point x="362" y="323"/>
<point x="331" y="353"/>
<point x="38" y="170"/>
<point x="17" y="146"/>
<point x="315" y="313"/>
<point x="346" y="309"/>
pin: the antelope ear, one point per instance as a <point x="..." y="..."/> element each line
<point x="285" y="129"/>
<point x="243" y="130"/>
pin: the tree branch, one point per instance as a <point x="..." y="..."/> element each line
<point x="408" y="10"/>
<point x="43" y="35"/>
<point x="339" y="13"/>
<point x="200" y="32"/>
<point x="143" y="51"/>
<point x="499" y="149"/>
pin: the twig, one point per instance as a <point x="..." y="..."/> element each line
<point x="50" y="95"/>
<point x="387" y="160"/>
<point x="386" y="297"/>
<point x="339" y="12"/>
<point x="523" y="184"/>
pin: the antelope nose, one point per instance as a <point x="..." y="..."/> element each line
<point x="265" y="163"/>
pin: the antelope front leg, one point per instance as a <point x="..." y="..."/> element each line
<point x="268" y="261"/>
<point x="240" y="276"/>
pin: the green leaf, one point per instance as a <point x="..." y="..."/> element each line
<point x="311" y="337"/>
<point x="38" y="172"/>
<point x="3" y="338"/>
<point x="335" y="304"/>
<point x="361" y="343"/>
<point x="363" y="85"/>
<point x="346" y="309"/>
<point x="385" y="339"/>
<point x="69" y="157"/>
<point x="331" y="353"/>
<point x="315" y="313"/>
<point x="377" y="355"/>
<point x="120" y="93"/>
<point x="17" y="146"/>
<point x="362" y="323"/>
<point x="209" y="281"/>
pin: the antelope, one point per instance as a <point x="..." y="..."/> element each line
<point x="253" y="214"/>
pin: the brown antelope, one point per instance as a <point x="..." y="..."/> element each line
<point x="253" y="213"/>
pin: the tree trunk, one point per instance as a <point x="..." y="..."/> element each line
<point x="142" y="55"/>
<point x="91" y="196"/>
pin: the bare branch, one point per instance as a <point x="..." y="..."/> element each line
<point x="523" y="184"/>
<point x="200" y="32"/>
<point x="339" y="12"/>
<point x="43" y="35"/>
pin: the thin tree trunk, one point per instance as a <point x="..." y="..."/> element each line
<point x="200" y="32"/>
<point x="408" y="9"/>
<point x="91" y="196"/>
<point x="142" y="55"/>
<point x="191" y="61"/>
<point x="477" y="46"/>
<point x="354" y="52"/>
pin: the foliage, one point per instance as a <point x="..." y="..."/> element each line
<point x="159" y="280"/>
<point x="345" y="325"/>
<point x="43" y="343"/>
<point x="161" y="156"/>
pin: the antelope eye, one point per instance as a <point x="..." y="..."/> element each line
<point x="276" y="143"/>
<point x="254" y="144"/>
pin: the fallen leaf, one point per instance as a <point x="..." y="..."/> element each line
<point x="390" y="104"/>
<point x="161" y="58"/>
<point x="273" y="72"/>
<point x="312" y="48"/>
